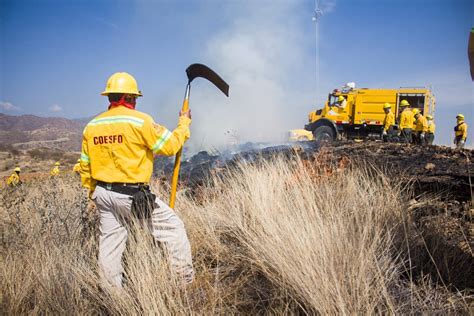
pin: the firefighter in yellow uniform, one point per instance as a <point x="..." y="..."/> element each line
<point x="388" y="122"/>
<point x="406" y="121"/>
<point x="116" y="166"/>
<point x="421" y="128"/>
<point x="431" y="130"/>
<point x="460" y="132"/>
<point x="55" y="171"/>
<point x="14" y="179"/>
<point x="77" y="166"/>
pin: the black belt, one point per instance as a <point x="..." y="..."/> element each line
<point x="123" y="188"/>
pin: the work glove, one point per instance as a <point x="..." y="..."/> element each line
<point x="384" y="132"/>
<point x="187" y="113"/>
<point x="422" y="136"/>
<point x="461" y="142"/>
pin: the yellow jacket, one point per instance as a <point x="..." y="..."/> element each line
<point x="406" y="119"/>
<point x="389" y="120"/>
<point x="461" y="130"/>
<point x="14" y="180"/>
<point x="421" y="124"/>
<point x="118" y="146"/>
<point x="55" y="171"/>
<point x="77" y="167"/>
<point x="431" y="127"/>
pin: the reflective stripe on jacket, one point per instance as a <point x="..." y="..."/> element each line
<point x="406" y="119"/>
<point x="389" y="121"/>
<point x="421" y="124"/>
<point x="431" y="127"/>
<point x="118" y="146"/>
<point x="461" y="130"/>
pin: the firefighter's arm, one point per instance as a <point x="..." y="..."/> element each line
<point x="464" y="131"/>
<point x="163" y="142"/>
<point x="425" y="125"/>
<point x="85" y="171"/>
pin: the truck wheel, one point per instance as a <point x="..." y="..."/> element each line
<point x="324" y="134"/>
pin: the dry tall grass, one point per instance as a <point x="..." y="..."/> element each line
<point x="275" y="237"/>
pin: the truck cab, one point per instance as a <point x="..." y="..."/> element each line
<point x="361" y="114"/>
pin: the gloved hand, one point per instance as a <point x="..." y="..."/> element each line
<point x="422" y="136"/>
<point x="461" y="142"/>
<point x="187" y="113"/>
<point x="384" y="132"/>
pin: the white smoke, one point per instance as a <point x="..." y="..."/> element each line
<point x="260" y="53"/>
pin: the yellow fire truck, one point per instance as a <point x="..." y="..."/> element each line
<point x="352" y="113"/>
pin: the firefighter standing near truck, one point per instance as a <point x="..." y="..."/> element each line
<point x="116" y="166"/>
<point x="388" y="122"/>
<point x="460" y="132"/>
<point x="421" y="128"/>
<point x="431" y="130"/>
<point x="406" y="121"/>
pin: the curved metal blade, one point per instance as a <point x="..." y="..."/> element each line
<point x="202" y="71"/>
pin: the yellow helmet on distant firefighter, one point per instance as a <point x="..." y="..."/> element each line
<point x="404" y="103"/>
<point x="429" y="117"/>
<point x="17" y="169"/>
<point x="340" y="98"/>
<point x="122" y="82"/>
<point x="57" y="163"/>
<point x="79" y="160"/>
<point x="415" y="111"/>
<point x="460" y="117"/>
<point x="387" y="106"/>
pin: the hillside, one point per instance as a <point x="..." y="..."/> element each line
<point x="30" y="131"/>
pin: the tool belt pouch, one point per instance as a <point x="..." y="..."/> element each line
<point x="143" y="203"/>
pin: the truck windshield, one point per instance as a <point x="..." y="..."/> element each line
<point x="332" y="100"/>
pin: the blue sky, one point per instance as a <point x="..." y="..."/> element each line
<point x="57" y="55"/>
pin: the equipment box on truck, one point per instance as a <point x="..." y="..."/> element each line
<point x="358" y="113"/>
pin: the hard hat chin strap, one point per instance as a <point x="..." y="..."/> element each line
<point x="130" y="103"/>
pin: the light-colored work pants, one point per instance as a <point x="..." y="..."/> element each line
<point x="166" y="227"/>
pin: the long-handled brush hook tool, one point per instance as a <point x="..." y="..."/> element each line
<point x="194" y="71"/>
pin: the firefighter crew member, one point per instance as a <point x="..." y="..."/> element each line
<point x="14" y="179"/>
<point x="341" y="102"/>
<point x="388" y="122"/>
<point x="55" y="171"/>
<point x="460" y="132"/>
<point x="406" y="121"/>
<point x="117" y="162"/>
<point x="421" y="127"/>
<point x="431" y="130"/>
<point x="77" y="166"/>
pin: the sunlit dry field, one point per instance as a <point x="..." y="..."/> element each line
<point x="276" y="237"/>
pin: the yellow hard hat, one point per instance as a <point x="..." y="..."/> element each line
<point x="78" y="160"/>
<point x="122" y="82"/>
<point x="17" y="169"/>
<point x="387" y="106"/>
<point x="415" y="111"/>
<point x="57" y="163"/>
<point x="429" y="117"/>
<point x="404" y="103"/>
<point x="460" y="117"/>
<point x="340" y="98"/>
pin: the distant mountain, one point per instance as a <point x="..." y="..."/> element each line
<point x="30" y="131"/>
